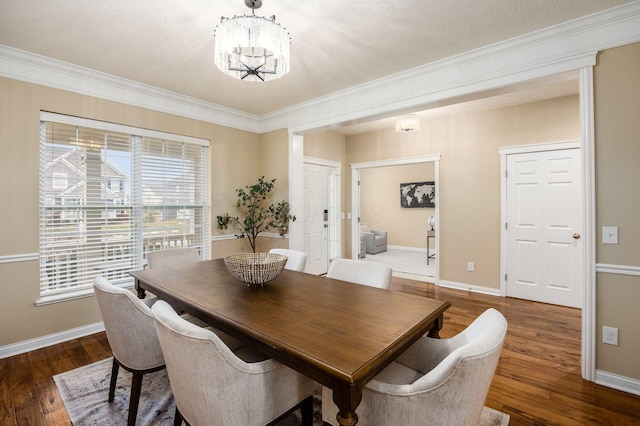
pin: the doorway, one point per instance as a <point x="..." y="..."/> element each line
<point x="388" y="204"/>
<point x="543" y="245"/>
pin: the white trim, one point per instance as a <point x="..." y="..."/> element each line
<point x="37" y="69"/>
<point x="406" y="248"/>
<point x="588" y="338"/>
<point x="114" y="127"/>
<point x="551" y="146"/>
<point x="296" y="190"/>
<point x="469" y="287"/>
<point x="322" y="162"/>
<point x="625" y="384"/>
<point x="565" y="47"/>
<point x="396" y="162"/>
<point x="51" y="339"/>
<point x="23" y="257"/>
<point x="606" y="268"/>
<point x="227" y="237"/>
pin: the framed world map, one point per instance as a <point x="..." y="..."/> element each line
<point x="417" y="195"/>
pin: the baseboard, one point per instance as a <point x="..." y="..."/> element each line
<point x="469" y="287"/>
<point x="420" y="249"/>
<point x="622" y="383"/>
<point x="48" y="340"/>
<point x="415" y="277"/>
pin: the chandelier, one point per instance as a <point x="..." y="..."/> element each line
<point x="407" y="123"/>
<point x="250" y="47"/>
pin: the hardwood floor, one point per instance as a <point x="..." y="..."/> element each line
<point x="537" y="381"/>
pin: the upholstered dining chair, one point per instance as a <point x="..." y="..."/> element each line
<point x="128" y="322"/>
<point x="171" y="257"/>
<point x="213" y="385"/>
<point x="296" y="259"/>
<point x="361" y="272"/>
<point x="435" y="381"/>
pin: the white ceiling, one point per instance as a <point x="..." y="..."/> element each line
<point x="336" y="44"/>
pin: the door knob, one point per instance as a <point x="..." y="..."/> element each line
<point x="576" y="236"/>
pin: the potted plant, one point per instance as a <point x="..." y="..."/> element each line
<point x="257" y="213"/>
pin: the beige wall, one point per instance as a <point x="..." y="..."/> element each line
<point x="617" y="126"/>
<point x="469" y="173"/>
<point x="236" y="160"/>
<point x="380" y="203"/>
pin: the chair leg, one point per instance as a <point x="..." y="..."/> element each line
<point x="136" y="385"/>
<point x="177" y="418"/>
<point x="114" y="377"/>
<point x="306" y="409"/>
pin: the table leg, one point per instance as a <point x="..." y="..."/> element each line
<point x="347" y="399"/>
<point x="437" y="326"/>
<point x="141" y="292"/>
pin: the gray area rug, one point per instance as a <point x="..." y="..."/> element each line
<point x="84" y="392"/>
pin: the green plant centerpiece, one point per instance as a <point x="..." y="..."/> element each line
<point x="257" y="212"/>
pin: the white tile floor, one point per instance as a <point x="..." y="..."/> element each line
<point x="407" y="262"/>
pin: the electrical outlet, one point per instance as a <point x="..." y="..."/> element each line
<point x="610" y="335"/>
<point x="470" y="266"/>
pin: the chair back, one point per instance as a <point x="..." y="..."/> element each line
<point x="361" y="272"/>
<point x="128" y="323"/>
<point x="438" y="381"/>
<point x="212" y="385"/>
<point x="296" y="259"/>
<point x="170" y="258"/>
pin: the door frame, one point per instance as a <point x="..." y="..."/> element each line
<point x="355" y="197"/>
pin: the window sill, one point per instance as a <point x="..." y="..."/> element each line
<point x="72" y="295"/>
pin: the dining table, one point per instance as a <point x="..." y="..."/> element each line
<point x="338" y="333"/>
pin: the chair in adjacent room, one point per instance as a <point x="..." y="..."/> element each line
<point x="375" y="241"/>
<point x="361" y="272"/>
<point x="214" y="385"/>
<point x="172" y="257"/>
<point x="296" y="259"/>
<point x="435" y="381"/>
<point x="128" y="322"/>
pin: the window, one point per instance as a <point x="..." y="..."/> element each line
<point x="59" y="180"/>
<point x="335" y="215"/>
<point x="103" y="224"/>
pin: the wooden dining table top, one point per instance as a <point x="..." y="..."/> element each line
<point x="337" y="333"/>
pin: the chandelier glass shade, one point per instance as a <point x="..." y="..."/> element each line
<point x="253" y="48"/>
<point x="407" y="123"/>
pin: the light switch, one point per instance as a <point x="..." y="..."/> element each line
<point x="610" y="235"/>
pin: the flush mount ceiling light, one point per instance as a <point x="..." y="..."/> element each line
<point x="407" y="123"/>
<point x="250" y="47"/>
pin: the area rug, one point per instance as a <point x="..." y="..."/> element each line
<point x="84" y="392"/>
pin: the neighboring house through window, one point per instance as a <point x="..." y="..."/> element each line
<point x="111" y="193"/>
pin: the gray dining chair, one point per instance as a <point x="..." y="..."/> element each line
<point x="435" y="381"/>
<point x="361" y="272"/>
<point x="213" y="385"/>
<point x="128" y="322"/>
<point x="296" y="259"/>
<point x="172" y="257"/>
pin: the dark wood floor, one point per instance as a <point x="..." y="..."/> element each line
<point x="537" y="382"/>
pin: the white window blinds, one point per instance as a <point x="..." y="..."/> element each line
<point x="335" y="215"/>
<point x="125" y="192"/>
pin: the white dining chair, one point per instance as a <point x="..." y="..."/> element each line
<point x="435" y="381"/>
<point x="213" y="385"/>
<point x="128" y="323"/>
<point x="169" y="258"/>
<point x="361" y="272"/>
<point x="296" y="259"/>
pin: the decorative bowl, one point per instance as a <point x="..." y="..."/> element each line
<point x="255" y="268"/>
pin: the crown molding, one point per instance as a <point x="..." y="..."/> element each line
<point x="31" y="68"/>
<point x="566" y="47"/>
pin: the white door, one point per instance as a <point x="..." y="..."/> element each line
<point x="544" y="227"/>
<point x="316" y="210"/>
